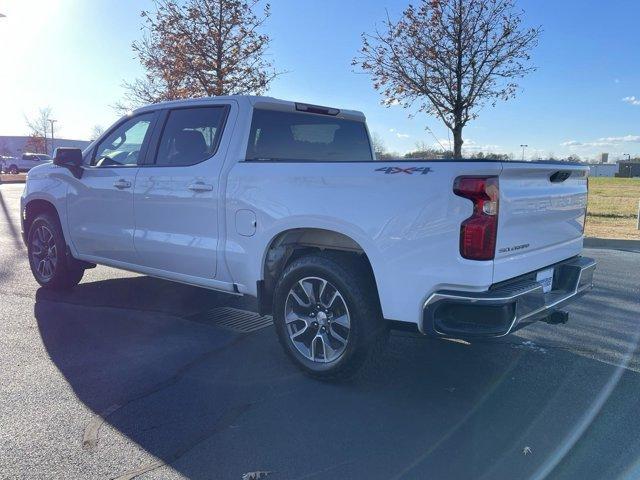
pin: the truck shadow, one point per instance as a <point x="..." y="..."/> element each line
<point x="215" y="404"/>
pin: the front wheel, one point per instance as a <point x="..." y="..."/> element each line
<point x="327" y="316"/>
<point x="13" y="170"/>
<point x="50" y="265"/>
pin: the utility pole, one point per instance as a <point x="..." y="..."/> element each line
<point x="52" y="121"/>
<point x="523" y="147"/>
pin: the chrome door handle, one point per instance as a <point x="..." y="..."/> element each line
<point x="200" y="187"/>
<point x="122" y="184"/>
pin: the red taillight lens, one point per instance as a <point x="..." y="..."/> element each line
<point x="478" y="232"/>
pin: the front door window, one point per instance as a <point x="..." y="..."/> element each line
<point x="121" y="148"/>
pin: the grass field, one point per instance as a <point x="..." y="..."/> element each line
<point x="613" y="208"/>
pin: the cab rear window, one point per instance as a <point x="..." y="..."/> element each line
<point x="283" y="136"/>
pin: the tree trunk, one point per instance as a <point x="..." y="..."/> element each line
<point x="457" y="142"/>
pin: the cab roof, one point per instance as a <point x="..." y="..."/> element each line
<point x="262" y="102"/>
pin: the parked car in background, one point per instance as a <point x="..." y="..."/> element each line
<point x="5" y="161"/>
<point x="25" y="163"/>
<point x="286" y="202"/>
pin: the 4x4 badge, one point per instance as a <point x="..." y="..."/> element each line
<point x="408" y="170"/>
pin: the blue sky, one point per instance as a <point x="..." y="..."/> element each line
<point x="73" y="55"/>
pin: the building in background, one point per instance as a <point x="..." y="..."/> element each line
<point x="16" y="146"/>
<point x="603" y="169"/>
<point x="604" y="158"/>
<point x="629" y="168"/>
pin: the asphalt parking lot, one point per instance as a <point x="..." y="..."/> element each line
<point x="116" y="380"/>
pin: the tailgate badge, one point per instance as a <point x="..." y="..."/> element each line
<point x="514" y="248"/>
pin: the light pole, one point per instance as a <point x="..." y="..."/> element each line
<point x="523" y="147"/>
<point x="628" y="156"/>
<point x="52" y="121"/>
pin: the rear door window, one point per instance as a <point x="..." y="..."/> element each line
<point x="277" y="135"/>
<point x="190" y="136"/>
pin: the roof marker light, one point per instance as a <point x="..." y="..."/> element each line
<point x="304" y="107"/>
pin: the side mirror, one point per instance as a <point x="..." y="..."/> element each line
<point x="70" y="158"/>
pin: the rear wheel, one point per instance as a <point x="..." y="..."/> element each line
<point x="13" y="169"/>
<point x="327" y="316"/>
<point x="50" y="265"/>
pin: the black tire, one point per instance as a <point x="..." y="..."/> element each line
<point x="13" y="170"/>
<point x="368" y="331"/>
<point x="63" y="273"/>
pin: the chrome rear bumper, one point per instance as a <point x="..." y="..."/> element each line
<point x="507" y="306"/>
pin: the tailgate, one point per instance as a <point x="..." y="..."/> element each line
<point x="541" y="216"/>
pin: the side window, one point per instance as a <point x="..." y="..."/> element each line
<point x="190" y="136"/>
<point x="122" y="146"/>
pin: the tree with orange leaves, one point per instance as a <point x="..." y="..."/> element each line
<point x="197" y="48"/>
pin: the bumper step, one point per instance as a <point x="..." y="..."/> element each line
<point x="506" y="306"/>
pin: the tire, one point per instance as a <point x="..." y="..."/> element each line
<point x="305" y="331"/>
<point x="13" y="170"/>
<point x="51" y="266"/>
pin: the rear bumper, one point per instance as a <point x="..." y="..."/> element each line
<point x="506" y="306"/>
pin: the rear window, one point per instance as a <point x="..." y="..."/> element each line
<point x="279" y="135"/>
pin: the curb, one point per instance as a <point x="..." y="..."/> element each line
<point x="614" y="244"/>
<point x="9" y="178"/>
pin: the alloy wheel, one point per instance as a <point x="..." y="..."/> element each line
<point x="317" y="319"/>
<point x="44" y="252"/>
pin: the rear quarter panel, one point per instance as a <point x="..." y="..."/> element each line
<point x="408" y="224"/>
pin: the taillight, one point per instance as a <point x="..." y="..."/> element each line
<point x="478" y="232"/>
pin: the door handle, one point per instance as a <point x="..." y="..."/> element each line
<point x="122" y="184"/>
<point x="200" y="187"/>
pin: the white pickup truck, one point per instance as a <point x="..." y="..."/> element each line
<point x="25" y="163"/>
<point x="286" y="202"/>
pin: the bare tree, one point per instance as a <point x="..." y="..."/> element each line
<point x="451" y="57"/>
<point x="377" y="142"/>
<point x="494" y="156"/>
<point x="198" y="48"/>
<point x="39" y="127"/>
<point x="96" y="132"/>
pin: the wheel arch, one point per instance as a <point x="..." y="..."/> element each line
<point x="287" y="245"/>
<point x="35" y="207"/>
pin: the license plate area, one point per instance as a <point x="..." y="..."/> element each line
<point x="545" y="278"/>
